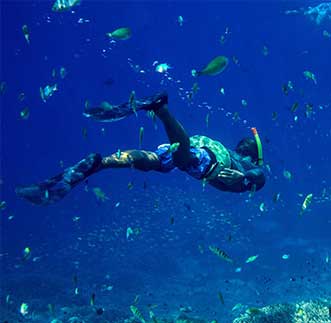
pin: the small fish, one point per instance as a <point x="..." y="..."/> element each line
<point x="274" y="116"/>
<point x="162" y="68"/>
<point x="309" y="110"/>
<point x="92" y="299"/>
<point x="25" y="113"/>
<point x="51" y="309"/>
<point x="100" y="195"/>
<point x="137" y="314"/>
<point x="276" y="197"/>
<point x="290" y="85"/>
<point x="3" y="205"/>
<point x="265" y="51"/>
<point x="220" y="297"/>
<point x="235" y="60"/>
<point x="130" y="185"/>
<point x="123" y="33"/>
<point x="136" y="300"/>
<point x="237" y="307"/>
<point x="180" y="20"/>
<point x="7" y="299"/>
<point x="225" y="36"/>
<point x="21" y="97"/>
<point x="172" y="220"/>
<point x="294" y="107"/>
<point x="310" y="76"/>
<point x="326" y="34"/>
<point x="204" y="183"/>
<point x="133" y="103"/>
<point x="306" y="203"/>
<point x="47" y="91"/>
<point x="117" y="204"/>
<point x="262" y="207"/>
<point x="64" y="5"/>
<point x="75" y="219"/>
<point x="222" y="39"/>
<point x="194" y="90"/>
<point x="141" y="136"/>
<point x="24" y="309"/>
<point x="207" y="119"/>
<point x="214" y="67"/>
<point x="287" y="174"/>
<point x="285" y="256"/>
<point x="220" y="253"/>
<point x="251" y="259"/>
<point x="84" y="132"/>
<point x="63" y="72"/>
<point x="3" y="87"/>
<point x="129" y="232"/>
<point x="53" y="72"/>
<point x="201" y="249"/>
<point x="26" y="253"/>
<point x="36" y="259"/>
<point x="75" y="280"/>
<point x="285" y="89"/>
<point x="235" y="116"/>
<point x="222" y="91"/>
<point x="26" y="34"/>
<point x="244" y="103"/>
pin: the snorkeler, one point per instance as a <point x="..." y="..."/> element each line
<point x="201" y="157"/>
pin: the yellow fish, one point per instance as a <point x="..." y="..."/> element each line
<point x="137" y="314"/>
<point x="214" y="67"/>
<point x="220" y="253"/>
<point x="307" y="201"/>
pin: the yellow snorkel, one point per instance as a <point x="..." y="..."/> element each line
<point x="259" y="147"/>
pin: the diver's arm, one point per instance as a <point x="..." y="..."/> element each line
<point x="235" y="181"/>
<point x="254" y="178"/>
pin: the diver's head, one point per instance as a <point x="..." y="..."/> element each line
<point x="247" y="147"/>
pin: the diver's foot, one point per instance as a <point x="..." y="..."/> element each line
<point x="44" y="193"/>
<point x="108" y="113"/>
<point x="57" y="187"/>
<point x="154" y="102"/>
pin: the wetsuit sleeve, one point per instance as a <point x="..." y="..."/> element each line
<point x="255" y="177"/>
<point x="252" y="177"/>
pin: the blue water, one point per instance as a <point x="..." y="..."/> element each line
<point x="168" y="265"/>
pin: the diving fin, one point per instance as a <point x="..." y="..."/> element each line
<point x="109" y="113"/>
<point x="57" y="187"/>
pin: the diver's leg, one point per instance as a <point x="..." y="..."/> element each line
<point x="57" y="187"/>
<point x="138" y="159"/>
<point x="176" y="133"/>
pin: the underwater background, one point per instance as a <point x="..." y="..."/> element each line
<point x="78" y="247"/>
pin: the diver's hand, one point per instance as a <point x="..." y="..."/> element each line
<point x="230" y="176"/>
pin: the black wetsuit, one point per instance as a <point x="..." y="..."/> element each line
<point x="254" y="176"/>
